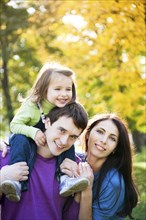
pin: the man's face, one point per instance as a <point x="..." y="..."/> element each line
<point x="61" y="135"/>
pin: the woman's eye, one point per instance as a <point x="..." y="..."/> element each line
<point x="113" y="139"/>
<point x="100" y="131"/>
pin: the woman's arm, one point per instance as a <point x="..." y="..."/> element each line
<point x="86" y="195"/>
<point x="71" y="168"/>
<point x="111" y="197"/>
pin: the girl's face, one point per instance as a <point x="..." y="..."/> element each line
<point x="60" y="90"/>
<point x="103" y="139"/>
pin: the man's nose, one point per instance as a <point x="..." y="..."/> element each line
<point x="64" y="140"/>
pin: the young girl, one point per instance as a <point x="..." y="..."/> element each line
<point x="54" y="86"/>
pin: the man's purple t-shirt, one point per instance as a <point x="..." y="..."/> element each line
<point x="42" y="200"/>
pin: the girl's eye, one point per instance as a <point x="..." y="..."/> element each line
<point x="57" y="89"/>
<point x="69" y="89"/>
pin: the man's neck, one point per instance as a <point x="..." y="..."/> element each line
<point x="44" y="152"/>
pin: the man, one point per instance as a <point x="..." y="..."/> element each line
<point x="42" y="201"/>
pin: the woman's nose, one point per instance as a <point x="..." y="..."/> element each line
<point x="104" y="139"/>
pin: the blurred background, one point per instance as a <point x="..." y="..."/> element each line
<point x="102" y="41"/>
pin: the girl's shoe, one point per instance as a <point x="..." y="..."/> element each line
<point x="73" y="185"/>
<point x="12" y="190"/>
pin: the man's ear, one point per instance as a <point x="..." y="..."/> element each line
<point x="47" y="123"/>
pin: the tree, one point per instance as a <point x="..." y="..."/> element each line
<point x="11" y="28"/>
<point x="108" y="49"/>
<point x="105" y="48"/>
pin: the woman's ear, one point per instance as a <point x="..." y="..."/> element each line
<point x="47" y="123"/>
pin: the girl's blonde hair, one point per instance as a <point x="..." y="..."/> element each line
<point x="40" y="87"/>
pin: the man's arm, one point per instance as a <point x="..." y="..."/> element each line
<point x="18" y="171"/>
<point x="69" y="167"/>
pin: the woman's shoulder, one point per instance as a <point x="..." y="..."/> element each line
<point x="115" y="178"/>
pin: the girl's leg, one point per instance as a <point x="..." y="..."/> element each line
<point x="22" y="149"/>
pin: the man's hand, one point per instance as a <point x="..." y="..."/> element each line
<point x="70" y="168"/>
<point x="18" y="171"/>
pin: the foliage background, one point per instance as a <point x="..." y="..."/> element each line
<point x="102" y="41"/>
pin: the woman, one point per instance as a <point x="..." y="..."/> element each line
<point x="111" y="193"/>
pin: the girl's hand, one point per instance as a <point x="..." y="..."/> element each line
<point x="18" y="171"/>
<point x="40" y="138"/>
<point x="69" y="167"/>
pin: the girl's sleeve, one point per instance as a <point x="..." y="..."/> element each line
<point x="71" y="210"/>
<point x="24" y="120"/>
<point x="111" y="199"/>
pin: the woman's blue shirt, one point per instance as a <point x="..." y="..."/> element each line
<point x="111" y="196"/>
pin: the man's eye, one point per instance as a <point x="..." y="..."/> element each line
<point x="73" y="137"/>
<point x="62" y="130"/>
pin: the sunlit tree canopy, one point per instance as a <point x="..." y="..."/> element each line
<point x="102" y="41"/>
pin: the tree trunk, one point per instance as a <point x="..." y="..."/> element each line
<point x="139" y="140"/>
<point x="5" y="88"/>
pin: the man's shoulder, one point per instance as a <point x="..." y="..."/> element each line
<point x="80" y="157"/>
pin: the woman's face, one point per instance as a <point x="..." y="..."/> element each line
<point x="103" y="139"/>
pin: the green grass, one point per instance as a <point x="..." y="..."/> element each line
<point x="139" y="212"/>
